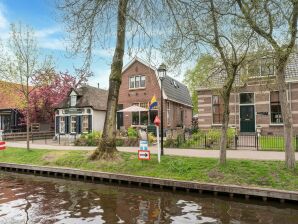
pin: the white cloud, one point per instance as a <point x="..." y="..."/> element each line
<point x="3" y="21"/>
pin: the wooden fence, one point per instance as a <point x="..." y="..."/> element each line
<point x="19" y="136"/>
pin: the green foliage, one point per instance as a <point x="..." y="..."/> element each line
<point x="151" y="138"/>
<point x="90" y="139"/>
<point x="197" y="76"/>
<point x="201" y="139"/>
<point x="272" y="174"/>
<point x="132" y="132"/>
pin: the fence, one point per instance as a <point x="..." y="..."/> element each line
<point x="242" y="141"/>
<point x="19" y="136"/>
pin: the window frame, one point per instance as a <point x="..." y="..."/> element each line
<point x="85" y="122"/>
<point x="62" y="121"/>
<point x="139" y="114"/>
<point x="277" y="104"/>
<point x="137" y="79"/>
<point x="73" y="100"/>
<point x="71" y="124"/>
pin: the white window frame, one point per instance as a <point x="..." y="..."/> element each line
<point x="73" y="122"/>
<point x="271" y="123"/>
<point x="85" y="124"/>
<point x="137" y="79"/>
<point x="168" y="112"/>
<point x="62" y="121"/>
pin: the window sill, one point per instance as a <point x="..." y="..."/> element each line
<point x="140" y="88"/>
<point x="276" y="125"/>
<point x="216" y="125"/>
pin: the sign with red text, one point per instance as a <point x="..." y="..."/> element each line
<point x="143" y="154"/>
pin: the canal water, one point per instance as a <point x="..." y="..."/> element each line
<point x="31" y="199"/>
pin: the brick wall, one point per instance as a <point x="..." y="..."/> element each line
<point x="261" y="105"/>
<point x="143" y="95"/>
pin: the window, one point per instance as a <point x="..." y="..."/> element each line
<point x="73" y="124"/>
<point x="141" y="117"/>
<point x="85" y="125"/>
<point x="62" y="124"/>
<point x="168" y="112"/>
<point x="246" y="98"/>
<point x="132" y="82"/>
<point x="73" y="101"/>
<point x="275" y="108"/>
<point x="217" y="109"/>
<point x="138" y="81"/>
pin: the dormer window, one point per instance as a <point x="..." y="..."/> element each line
<point x="73" y="99"/>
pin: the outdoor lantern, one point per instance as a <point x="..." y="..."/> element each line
<point x="162" y="70"/>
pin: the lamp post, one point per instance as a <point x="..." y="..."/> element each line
<point x="162" y="70"/>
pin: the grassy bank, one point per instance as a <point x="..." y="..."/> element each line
<point x="270" y="174"/>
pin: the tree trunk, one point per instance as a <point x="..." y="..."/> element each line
<point x="286" y="112"/>
<point x="107" y="146"/>
<point x="28" y="128"/>
<point x="224" y="129"/>
<point x="227" y="88"/>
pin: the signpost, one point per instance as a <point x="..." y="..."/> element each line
<point x="144" y="154"/>
<point x="157" y="123"/>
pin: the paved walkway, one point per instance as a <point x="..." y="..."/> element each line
<point x="231" y="154"/>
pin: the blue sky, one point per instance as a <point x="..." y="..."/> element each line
<point x="41" y="15"/>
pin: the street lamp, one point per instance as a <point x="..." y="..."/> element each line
<point x="162" y="70"/>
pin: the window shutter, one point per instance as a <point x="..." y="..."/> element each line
<point x="66" y="124"/>
<point x="57" y="124"/>
<point x="89" y="123"/>
<point x="79" y="126"/>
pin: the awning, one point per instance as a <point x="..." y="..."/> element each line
<point x="133" y="108"/>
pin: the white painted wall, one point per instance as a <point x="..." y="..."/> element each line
<point x="98" y="120"/>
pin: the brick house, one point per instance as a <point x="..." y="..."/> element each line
<point x="139" y="83"/>
<point x="254" y="103"/>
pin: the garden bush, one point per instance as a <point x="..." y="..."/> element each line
<point x="90" y="139"/>
<point x="132" y="132"/>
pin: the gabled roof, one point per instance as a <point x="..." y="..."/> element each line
<point x="217" y="76"/>
<point x="173" y="90"/>
<point x="176" y="91"/>
<point x="10" y="97"/>
<point x="89" y="96"/>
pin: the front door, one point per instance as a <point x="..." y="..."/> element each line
<point x="247" y="118"/>
<point x="119" y="116"/>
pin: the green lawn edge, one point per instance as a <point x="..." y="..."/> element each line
<point x="266" y="174"/>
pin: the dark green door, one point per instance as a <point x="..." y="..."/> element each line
<point x="247" y="118"/>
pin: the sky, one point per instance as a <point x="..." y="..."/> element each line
<point x="51" y="38"/>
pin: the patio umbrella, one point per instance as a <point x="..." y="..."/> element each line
<point x="133" y="108"/>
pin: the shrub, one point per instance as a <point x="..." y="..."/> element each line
<point x="90" y="139"/>
<point x="151" y="138"/>
<point x="132" y="132"/>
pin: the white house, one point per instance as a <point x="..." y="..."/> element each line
<point x="82" y="112"/>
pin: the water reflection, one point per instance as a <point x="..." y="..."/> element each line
<point x="29" y="199"/>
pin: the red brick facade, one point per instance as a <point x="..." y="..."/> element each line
<point x="261" y="105"/>
<point x="128" y="97"/>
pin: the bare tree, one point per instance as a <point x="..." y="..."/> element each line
<point x="19" y="62"/>
<point x="101" y="23"/>
<point x="276" y="22"/>
<point x="209" y="25"/>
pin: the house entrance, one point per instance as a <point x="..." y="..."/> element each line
<point x="120" y="122"/>
<point x="247" y="112"/>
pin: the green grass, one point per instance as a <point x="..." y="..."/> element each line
<point x="271" y="174"/>
<point x="273" y="143"/>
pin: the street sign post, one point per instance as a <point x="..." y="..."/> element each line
<point x="157" y="123"/>
<point x="143" y="154"/>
